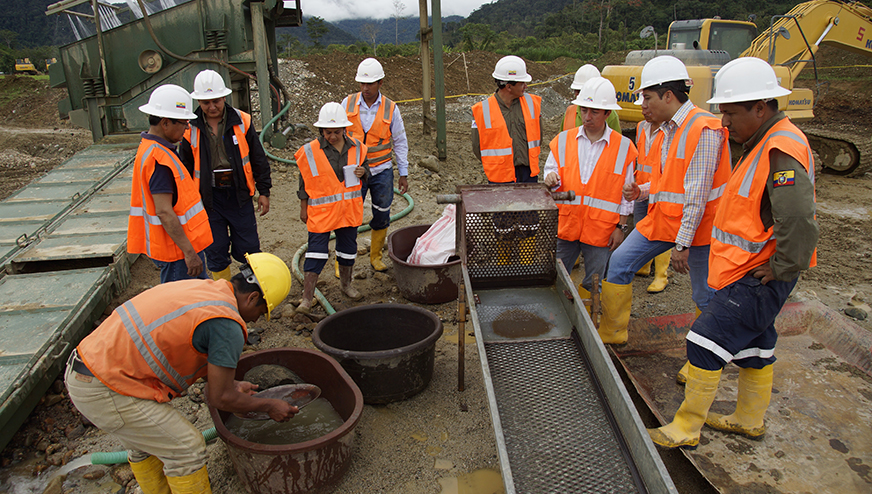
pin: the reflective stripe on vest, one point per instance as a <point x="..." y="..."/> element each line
<point x="146" y="345"/>
<point x="345" y="196"/>
<point x="745" y="189"/>
<point x="737" y="241"/>
<point x="682" y="139"/>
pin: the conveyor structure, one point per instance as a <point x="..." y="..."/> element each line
<point x="562" y="418"/>
<point x="63" y="252"/>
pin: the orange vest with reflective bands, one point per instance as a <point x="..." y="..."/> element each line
<point x="496" y="143"/>
<point x="569" y="118"/>
<point x="666" y="199"/>
<point x="378" y="139"/>
<point x="192" y="135"/>
<point x="144" y="348"/>
<point x="595" y="212"/>
<point x="646" y="161"/>
<point x="739" y="241"/>
<point x="332" y="205"/>
<point x="145" y="234"/>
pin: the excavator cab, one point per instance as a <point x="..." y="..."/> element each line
<point x="733" y="37"/>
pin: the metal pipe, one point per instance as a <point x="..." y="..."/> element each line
<point x="461" y="336"/>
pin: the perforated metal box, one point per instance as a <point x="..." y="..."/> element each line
<point x="507" y="234"/>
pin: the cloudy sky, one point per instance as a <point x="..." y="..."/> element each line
<point x="337" y="10"/>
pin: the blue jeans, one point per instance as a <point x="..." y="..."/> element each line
<point x="595" y="259"/>
<point x="636" y="251"/>
<point x="640" y="211"/>
<point x="318" y="251"/>
<point x="739" y="325"/>
<point x="178" y="270"/>
<point x="381" y="193"/>
<point x="241" y="223"/>
<point x="522" y="176"/>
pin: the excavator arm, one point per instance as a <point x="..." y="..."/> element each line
<point x="794" y="38"/>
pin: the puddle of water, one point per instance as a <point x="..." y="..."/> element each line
<point x="315" y="420"/>
<point x="18" y="479"/>
<point x="483" y="481"/>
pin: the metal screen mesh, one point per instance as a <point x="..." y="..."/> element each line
<point x="557" y="434"/>
<point x="510" y="246"/>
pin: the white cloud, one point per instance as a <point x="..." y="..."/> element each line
<point x="337" y="10"/>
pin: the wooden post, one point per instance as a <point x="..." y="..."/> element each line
<point x="426" y="34"/>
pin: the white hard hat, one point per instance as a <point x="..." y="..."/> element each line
<point x="209" y="85"/>
<point x="746" y="79"/>
<point x="169" y="101"/>
<point x="582" y="75"/>
<point x="512" y="69"/>
<point x="598" y="93"/>
<point x="664" y="68"/>
<point x="370" y="70"/>
<point x="332" y="116"/>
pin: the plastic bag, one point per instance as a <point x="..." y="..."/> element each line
<point x="436" y="245"/>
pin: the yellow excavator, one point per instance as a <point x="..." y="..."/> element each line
<point x="25" y="66"/>
<point x="790" y="43"/>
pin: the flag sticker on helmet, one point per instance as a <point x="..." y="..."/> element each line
<point x="513" y="72"/>
<point x="181" y="104"/>
<point x="780" y="179"/>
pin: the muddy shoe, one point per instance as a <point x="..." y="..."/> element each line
<point x="352" y="292"/>
<point x="345" y="283"/>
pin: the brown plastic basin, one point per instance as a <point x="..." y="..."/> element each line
<point x="432" y="284"/>
<point x="388" y="349"/>
<point x="302" y="467"/>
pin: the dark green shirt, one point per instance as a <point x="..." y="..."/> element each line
<point x="790" y="210"/>
<point x="221" y="339"/>
<point x="338" y="160"/>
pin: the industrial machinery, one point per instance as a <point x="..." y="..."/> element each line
<point x="110" y="74"/>
<point x="790" y="43"/>
<point x="25" y="66"/>
<point x="562" y="419"/>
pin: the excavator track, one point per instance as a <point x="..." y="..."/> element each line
<point x="841" y="153"/>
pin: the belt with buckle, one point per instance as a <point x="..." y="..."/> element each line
<point x="81" y="368"/>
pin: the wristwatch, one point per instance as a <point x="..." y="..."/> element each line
<point x="624" y="228"/>
<point x="679" y="247"/>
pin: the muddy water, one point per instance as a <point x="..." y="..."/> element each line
<point x="315" y="420"/>
<point x="516" y="323"/>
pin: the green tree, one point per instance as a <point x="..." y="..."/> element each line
<point x="316" y="28"/>
<point x="477" y="36"/>
<point x="8" y="37"/>
<point x="370" y="33"/>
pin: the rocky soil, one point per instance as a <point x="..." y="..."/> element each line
<point x="424" y="444"/>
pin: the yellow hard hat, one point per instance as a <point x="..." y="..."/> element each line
<point x="273" y="277"/>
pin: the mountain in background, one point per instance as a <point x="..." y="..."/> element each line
<point x="27" y="18"/>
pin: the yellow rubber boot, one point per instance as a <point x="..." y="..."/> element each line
<point x="196" y="483"/>
<point x="681" y="377"/>
<point x="661" y="263"/>
<point x="584" y="294"/>
<point x="755" y="390"/>
<point x="221" y="275"/>
<point x="336" y="268"/>
<point x="375" y="255"/>
<point x="150" y="476"/>
<point x="683" y="431"/>
<point x="645" y="270"/>
<point x="615" y="301"/>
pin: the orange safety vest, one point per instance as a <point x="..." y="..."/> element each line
<point x="145" y="234"/>
<point x="192" y="135"/>
<point x="666" y="199"/>
<point x="378" y="138"/>
<point x="739" y="241"/>
<point x="144" y="348"/>
<point x="646" y="161"/>
<point x="570" y="117"/>
<point x="595" y="212"/>
<point x="332" y="205"/>
<point x="496" y="143"/>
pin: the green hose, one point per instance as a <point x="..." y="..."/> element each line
<point x="116" y="457"/>
<point x="263" y="132"/>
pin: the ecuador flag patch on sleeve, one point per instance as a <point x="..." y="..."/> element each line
<point x="780" y="179"/>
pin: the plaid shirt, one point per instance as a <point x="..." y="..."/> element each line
<point x="700" y="171"/>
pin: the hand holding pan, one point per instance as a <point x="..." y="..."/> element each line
<point x="297" y="395"/>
